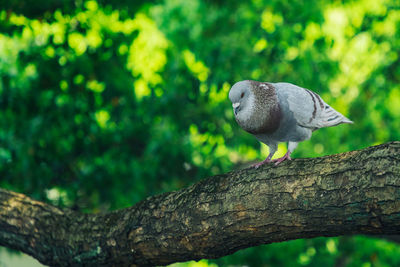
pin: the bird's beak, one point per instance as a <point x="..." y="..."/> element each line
<point x="235" y="107"/>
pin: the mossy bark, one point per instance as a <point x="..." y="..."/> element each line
<point x="351" y="193"/>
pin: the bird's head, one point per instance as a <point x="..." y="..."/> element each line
<point x="241" y="97"/>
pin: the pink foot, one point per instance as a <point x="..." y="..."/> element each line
<point x="285" y="157"/>
<point x="258" y="165"/>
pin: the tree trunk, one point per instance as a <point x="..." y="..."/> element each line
<point x="351" y="193"/>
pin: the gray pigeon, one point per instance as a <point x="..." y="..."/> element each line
<point x="280" y="112"/>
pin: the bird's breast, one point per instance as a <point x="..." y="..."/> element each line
<point x="265" y="121"/>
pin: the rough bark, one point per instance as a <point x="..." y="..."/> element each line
<point x="351" y="193"/>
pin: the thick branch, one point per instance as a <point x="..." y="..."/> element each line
<point x="351" y="193"/>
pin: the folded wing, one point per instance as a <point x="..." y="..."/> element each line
<point x="310" y="110"/>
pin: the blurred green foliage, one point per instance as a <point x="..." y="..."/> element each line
<point x="104" y="103"/>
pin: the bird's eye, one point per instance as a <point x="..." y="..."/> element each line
<point x="242" y="95"/>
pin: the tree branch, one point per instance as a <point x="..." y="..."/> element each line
<point x="351" y="193"/>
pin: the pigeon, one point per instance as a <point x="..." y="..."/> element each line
<point x="280" y="112"/>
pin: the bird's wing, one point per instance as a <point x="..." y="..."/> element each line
<point x="308" y="108"/>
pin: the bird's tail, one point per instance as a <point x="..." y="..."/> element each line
<point x="331" y="117"/>
<point x="346" y="120"/>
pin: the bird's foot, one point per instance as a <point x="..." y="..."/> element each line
<point x="285" y="157"/>
<point x="258" y="165"/>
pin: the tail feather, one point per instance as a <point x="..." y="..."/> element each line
<point x="346" y="120"/>
<point x="331" y="117"/>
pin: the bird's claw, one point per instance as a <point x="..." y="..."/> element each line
<point x="276" y="161"/>
<point x="285" y="157"/>
<point x="259" y="164"/>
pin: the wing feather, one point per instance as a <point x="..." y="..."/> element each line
<point x="309" y="109"/>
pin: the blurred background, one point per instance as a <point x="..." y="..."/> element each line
<point x="103" y="103"/>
